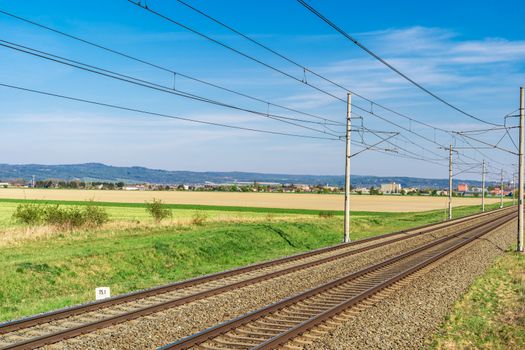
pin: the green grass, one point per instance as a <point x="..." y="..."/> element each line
<point x="42" y="274"/>
<point x="491" y="315"/>
<point x="179" y="206"/>
<point x="138" y="213"/>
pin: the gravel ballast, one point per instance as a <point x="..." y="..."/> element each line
<point x="407" y="318"/>
<point x="164" y="327"/>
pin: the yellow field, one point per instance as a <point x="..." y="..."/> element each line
<point x="268" y="200"/>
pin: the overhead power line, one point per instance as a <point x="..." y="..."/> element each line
<point x="192" y="120"/>
<point x="149" y="9"/>
<point x="168" y="70"/>
<point x="239" y="52"/>
<point x="309" y="70"/>
<point x="163" y="115"/>
<point x="148" y="84"/>
<point x="410" y="155"/>
<point x="306" y="69"/>
<point x="124" y="78"/>
<point x="377" y="57"/>
<point x="489" y="145"/>
<point x="220" y="87"/>
<point x="326" y="122"/>
<point x="170" y="116"/>
<point x="372" y="146"/>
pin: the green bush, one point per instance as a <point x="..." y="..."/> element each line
<point x="95" y="216"/>
<point x="66" y="218"/>
<point x="158" y="210"/>
<point x="63" y="217"/>
<point x="54" y="215"/>
<point x="28" y="214"/>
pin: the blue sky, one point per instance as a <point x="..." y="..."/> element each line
<point x="472" y="53"/>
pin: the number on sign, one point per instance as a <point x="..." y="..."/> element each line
<point x="102" y="293"/>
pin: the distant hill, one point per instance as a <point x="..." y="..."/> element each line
<point x="102" y="172"/>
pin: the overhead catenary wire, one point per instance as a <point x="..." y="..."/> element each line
<point x="114" y="51"/>
<point x="416" y="156"/>
<point x="171" y="71"/>
<point x="222" y="44"/>
<point x="372" y="146"/>
<point x="148" y="84"/>
<point x="383" y="61"/>
<point x="425" y="138"/>
<point x="231" y="48"/>
<point x="489" y="144"/>
<point x="510" y="115"/>
<point x="372" y="104"/>
<point x="170" y="116"/>
<point x="112" y="74"/>
<point x="408" y="153"/>
<point x="193" y="120"/>
<point x="466" y="140"/>
<point x="466" y="170"/>
<point x="163" y="115"/>
<point x="306" y="69"/>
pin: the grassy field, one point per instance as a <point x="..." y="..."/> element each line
<point x="249" y="199"/>
<point x="43" y="269"/>
<point x="492" y="314"/>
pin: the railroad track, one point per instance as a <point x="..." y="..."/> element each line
<point x="66" y="323"/>
<point x="278" y="324"/>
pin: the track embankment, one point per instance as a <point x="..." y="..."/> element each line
<point x="408" y="317"/>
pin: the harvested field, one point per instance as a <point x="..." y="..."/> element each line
<point x="260" y="200"/>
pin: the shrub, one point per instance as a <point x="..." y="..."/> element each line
<point x="326" y="214"/>
<point x="198" y="218"/>
<point x="29" y="214"/>
<point x="158" y="210"/>
<point x="55" y="216"/>
<point x="66" y="218"/>
<point x="95" y="216"/>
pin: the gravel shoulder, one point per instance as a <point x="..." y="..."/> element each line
<point x="407" y="318"/>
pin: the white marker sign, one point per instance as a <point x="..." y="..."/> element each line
<point x="102" y="293"/>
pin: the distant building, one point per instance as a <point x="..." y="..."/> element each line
<point x="411" y="189"/>
<point x="302" y="187"/>
<point x="391" y="188"/>
<point x="462" y="188"/>
<point x="474" y="189"/>
<point x="497" y="191"/>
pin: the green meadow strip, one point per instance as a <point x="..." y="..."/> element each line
<point x="179" y="206"/>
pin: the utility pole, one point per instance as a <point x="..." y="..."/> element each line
<point x="346" y="238"/>
<point x="520" y="179"/>
<point x="501" y="191"/>
<point x="483" y="186"/>
<point x="450" y="183"/>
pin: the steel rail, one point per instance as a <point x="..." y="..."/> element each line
<point x="286" y="335"/>
<point x="124" y="298"/>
